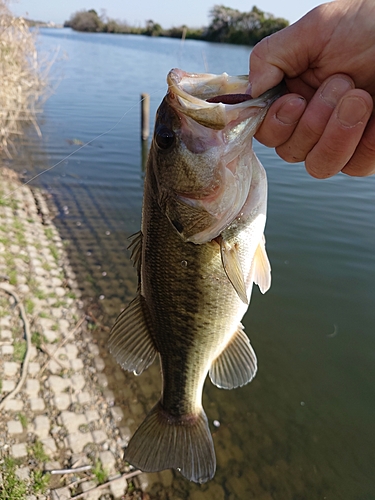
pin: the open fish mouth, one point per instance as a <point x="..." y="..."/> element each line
<point x="216" y="100"/>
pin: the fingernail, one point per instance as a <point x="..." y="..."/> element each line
<point x="351" y="111"/>
<point x="291" y="111"/>
<point x="334" y="90"/>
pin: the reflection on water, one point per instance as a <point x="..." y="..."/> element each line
<point x="304" y="428"/>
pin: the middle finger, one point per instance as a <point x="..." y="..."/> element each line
<point x="315" y="118"/>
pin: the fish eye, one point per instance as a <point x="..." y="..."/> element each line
<point x="164" y="137"/>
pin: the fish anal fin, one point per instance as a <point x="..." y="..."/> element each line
<point x="233" y="269"/>
<point x="262" y="267"/>
<point x="236" y="365"/>
<point x="130" y="342"/>
<point x="166" y="442"/>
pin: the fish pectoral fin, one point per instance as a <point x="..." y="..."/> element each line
<point x="136" y="249"/>
<point x="236" y="365"/>
<point x="233" y="269"/>
<point x="262" y="267"/>
<point x="165" y="441"/>
<point x="130" y="342"/>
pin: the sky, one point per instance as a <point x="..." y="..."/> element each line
<point x="168" y="13"/>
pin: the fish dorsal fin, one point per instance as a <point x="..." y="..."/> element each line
<point x="130" y="342"/>
<point x="233" y="269"/>
<point x="136" y="249"/>
<point x="236" y="365"/>
<point x="262" y="267"/>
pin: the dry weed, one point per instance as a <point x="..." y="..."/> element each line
<point x="23" y="78"/>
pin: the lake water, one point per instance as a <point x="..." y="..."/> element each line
<point x="305" y="427"/>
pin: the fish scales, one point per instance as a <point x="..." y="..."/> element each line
<point x="199" y="251"/>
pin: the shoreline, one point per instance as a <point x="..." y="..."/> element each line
<point x="64" y="416"/>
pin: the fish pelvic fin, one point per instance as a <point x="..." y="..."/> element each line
<point x="262" y="267"/>
<point x="233" y="269"/>
<point x="130" y="341"/>
<point x="164" y="441"/>
<point x="236" y="365"/>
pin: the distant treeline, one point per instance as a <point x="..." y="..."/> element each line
<point x="227" y="25"/>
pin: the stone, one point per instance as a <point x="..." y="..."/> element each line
<point x="32" y="387"/>
<point x="58" y="384"/>
<point x="78" y="382"/>
<point x="94" y="349"/>
<point x="92" y="416"/>
<point x="84" y="398"/>
<point x="59" y="291"/>
<point x="88" y="485"/>
<point x="78" y="440"/>
<point x="76" y="364"/>
<point x="11" y="368"/>
<point x="99" y="363"/>
<point x="23" y="473"/>
<point x="8" y="385"/>
<point x="108" y="462"/>
<point x="14" y="427"/>
<point x="49" y="446"/>
<point x="117" y="413"/>
<point x="13" y="405"/>
<point x="118" y="487"/>
<point x="109" y="396"/>
<point x="61" y="494"/>
<point x="19" y="450"/>
<point x="102" y="380"/>
<point x="7" y="350"/>
<point x="62" y="401"/>
<point x="50" y="335"/>
<point x="99" y="436"/>
<point x="41" y="426"/>
<point x="71" y="351"/>
<point x="37" y="404"/>
<point x="72" y="421"/>
<point x="34" y="368"/>
<point x="6" y="334"/>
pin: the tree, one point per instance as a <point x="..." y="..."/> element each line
<point x="153" y="29"/>
<point x="232" y="26"/>
<point x="84" y="20"/>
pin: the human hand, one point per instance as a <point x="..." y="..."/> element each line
<point x="326" y="121"/>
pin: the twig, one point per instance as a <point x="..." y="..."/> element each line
<point x="61" y="344"/>
<point x="25" y="365"/>
<point x="97" y="322"/>
<point x="127" y="475"/>
<point x="83" y="468"/>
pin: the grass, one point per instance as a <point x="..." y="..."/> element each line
<point x="49" y="233"/>
<point x="37" y="339"/>
<point x="23" y="419"/>
<point x="40" y="481"/>
<point x="12" y="487"/>
<point x="98" y="471"/>
<point x="38" y="452"/>
<point x="12" y="277"/>
<point x="29" y="306"/>
<point x="19" y="350"/>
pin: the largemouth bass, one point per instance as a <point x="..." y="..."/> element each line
<point x="200" y="249"/>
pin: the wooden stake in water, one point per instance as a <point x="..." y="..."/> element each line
<point x="145" y="116"/>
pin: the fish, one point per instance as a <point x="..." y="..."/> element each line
<point x="200" y="249"/>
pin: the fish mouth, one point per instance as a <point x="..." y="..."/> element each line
<point x="217" y="119"/>
<point x="216" y="100"/>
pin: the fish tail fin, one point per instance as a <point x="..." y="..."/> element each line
<point x="164" y="441"/>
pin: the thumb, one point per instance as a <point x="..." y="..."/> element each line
<point x="285" y="53"/>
